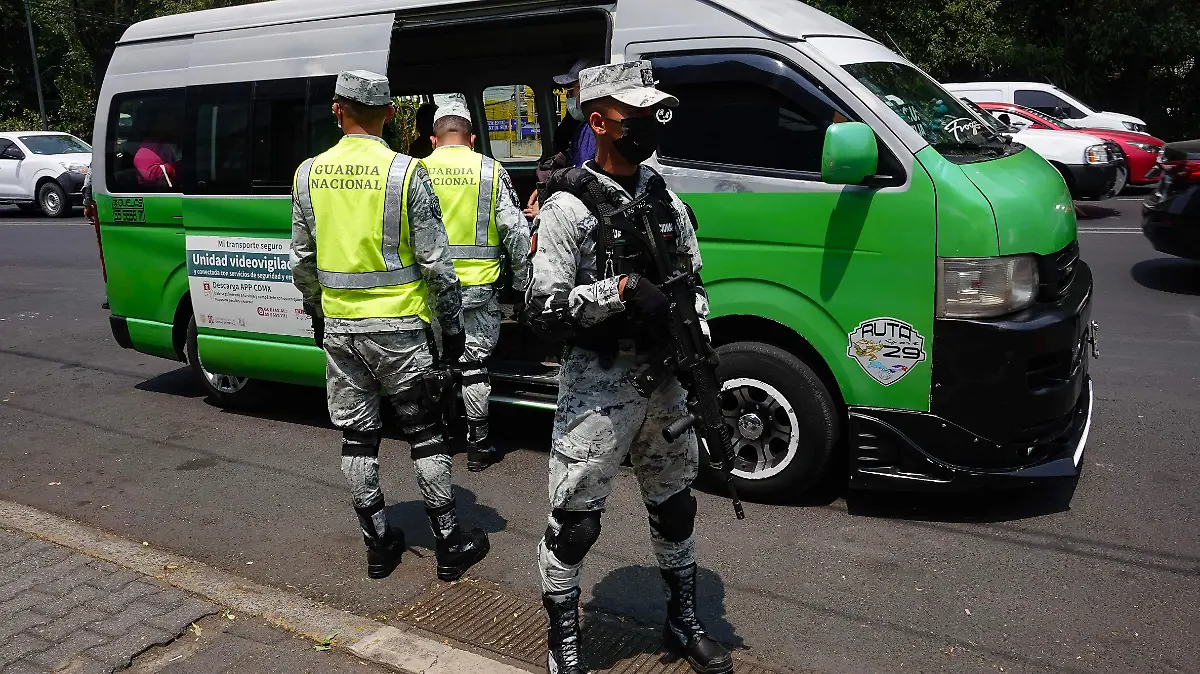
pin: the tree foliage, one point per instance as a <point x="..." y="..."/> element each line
<point x="1141" y="58"/>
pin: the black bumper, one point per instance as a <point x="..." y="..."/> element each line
<point x="72" y="184"/>
<point x="1092" y="181"/>
<point x="1010" y="403"/>
<point x="120" y="331"/>
<point x="1172" y="233"/>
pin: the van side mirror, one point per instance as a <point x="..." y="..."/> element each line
<point x="850" y="154"/>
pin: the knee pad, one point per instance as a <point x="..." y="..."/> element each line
<point x="361" y="443"/>
<point x="577" y="532"/>
<point x="474" y="372"/>
<point x="675" y="518"/>
<point x="419" y="425"/>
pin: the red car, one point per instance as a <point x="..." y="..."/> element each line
<point x="1141" y="149"/>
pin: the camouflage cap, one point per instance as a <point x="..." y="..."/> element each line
<point x="631" y="83"/>
<point x="452" y="109"/>
<point x="572" y="76"/>
<point x="363" y="86"/>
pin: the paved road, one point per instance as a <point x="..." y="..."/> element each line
<point x="1102" y="577"/>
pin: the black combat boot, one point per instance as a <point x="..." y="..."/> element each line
<point x="383" y="552"/>
<point x="562" y="610"/>
<point x="480" y="454"/>
<point x="457" y="550"/>
<point x="683" y="633"/>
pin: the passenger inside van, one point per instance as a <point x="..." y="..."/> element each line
<point x="155" y="159"/>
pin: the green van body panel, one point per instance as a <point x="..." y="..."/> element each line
<point x="966" y="222"/>
<point x="265" y="357"/>
<point x="1033" y="208"/>
<point x="823" y="262"/>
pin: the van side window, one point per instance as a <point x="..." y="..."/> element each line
<point x="220" y="148"/>
<point x="323" y="131"/>
<point x="745" y="110"/>
<point x="279" y="131"/>
<point x="144" y="141"/>
<point x="1046" y="103"/>
<point x="512" y="124"/>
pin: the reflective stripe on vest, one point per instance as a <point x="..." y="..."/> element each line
<point x="357" y="195"/>
<point x="467" y="185"/>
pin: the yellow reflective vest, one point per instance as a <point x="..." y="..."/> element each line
<point x="467" y="185"/>
<point x="356" y="193"/>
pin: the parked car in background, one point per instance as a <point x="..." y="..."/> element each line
<point x="1140" y="149"/>
<point x="1047" y="99"/>
<point x="1171" y="214"/>
<point x="41" y="170"/>
<point x="1089" y="165"/>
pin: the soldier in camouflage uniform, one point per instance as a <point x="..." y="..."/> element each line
<point x="366" y="291"/>
<point x="580" y="285"/>
<point x="483" y="217"/>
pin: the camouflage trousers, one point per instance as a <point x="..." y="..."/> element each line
<point x="600" y="419"/>
<point x="360" y="370"/>
<point x="482" y="325"/>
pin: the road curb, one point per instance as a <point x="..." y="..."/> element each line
<point x="368" y="639"/>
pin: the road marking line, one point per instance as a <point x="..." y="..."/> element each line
<point x="1108" y="230"/>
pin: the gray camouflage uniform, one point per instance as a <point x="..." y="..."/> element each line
<point x="372" y="356"/>
<point x="481" y="304"/>
<point x="600" y="417"/>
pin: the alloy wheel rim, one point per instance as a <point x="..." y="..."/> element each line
<point x="763" y="425"/>
<point x="223" y="382"/>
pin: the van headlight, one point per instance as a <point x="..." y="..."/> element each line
<point x="1097" y="154"/>
<point x="982" y="287"/>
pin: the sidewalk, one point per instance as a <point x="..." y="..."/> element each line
<point x="65" y="611"/>
<point x="78" y="600"/>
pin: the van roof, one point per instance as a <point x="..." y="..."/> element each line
<point x="788" y="19"/>
<point x="998" y="84"/>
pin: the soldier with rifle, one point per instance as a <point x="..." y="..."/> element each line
<point x="615" y="256"/>
<point x="372" y="261"/>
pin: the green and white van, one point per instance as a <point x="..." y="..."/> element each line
<point x="892" y="287"/>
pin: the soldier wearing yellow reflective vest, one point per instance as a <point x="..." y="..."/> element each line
<point x="482" y="214"/>
<point x="368" y="248"/>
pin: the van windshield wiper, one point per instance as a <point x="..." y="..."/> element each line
<point x="968" y="146"/>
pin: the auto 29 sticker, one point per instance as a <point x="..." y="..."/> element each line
<point x="886" y="348"/>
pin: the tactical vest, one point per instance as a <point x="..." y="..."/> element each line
<point x="467" y="185"/>
<point x="356" y="193"/>
<point x="619" y="248"/>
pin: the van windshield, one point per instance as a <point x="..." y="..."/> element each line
<point x="938" y="116"/>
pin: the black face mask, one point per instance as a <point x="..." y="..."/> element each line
<point x="639" y="138"/>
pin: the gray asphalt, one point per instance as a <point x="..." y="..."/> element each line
<point x="1099" y="576"/>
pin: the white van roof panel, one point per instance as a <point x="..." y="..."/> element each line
<point x="270" y="13"/>
<point x="788" y="19"/>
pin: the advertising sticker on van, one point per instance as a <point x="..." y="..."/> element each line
<point x="886" y="348"/>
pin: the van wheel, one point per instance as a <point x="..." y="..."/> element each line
<point x="225" y="390"/>
<point x="52" y="200"/>
<point x="782" y="419"/>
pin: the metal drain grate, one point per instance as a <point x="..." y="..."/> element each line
<point x="514" y="627"/>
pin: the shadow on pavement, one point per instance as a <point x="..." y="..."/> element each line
<point x="1092" y="211"/>
<point x="409" y="516"/>
<point x="640" y="591"/>
<point x="178" y="382"/>
<point x="975" y="507"/>
<point x="1168" y="274"/>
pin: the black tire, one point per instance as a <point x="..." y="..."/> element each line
<point x="52" y="200"/>
<point x="812" y="420"/>
<point x="223" y="390"/>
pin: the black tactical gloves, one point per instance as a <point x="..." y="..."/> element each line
<point x="453" y="347"/>
<point x="318" y="323"/>
<point x="643" y="297"/>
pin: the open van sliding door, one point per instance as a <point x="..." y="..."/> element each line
<point x="257" y="105"/>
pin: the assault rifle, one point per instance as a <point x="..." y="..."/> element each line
<point x="686" y="353"/>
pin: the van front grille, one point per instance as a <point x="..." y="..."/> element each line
<point x="1056" y="272"/>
